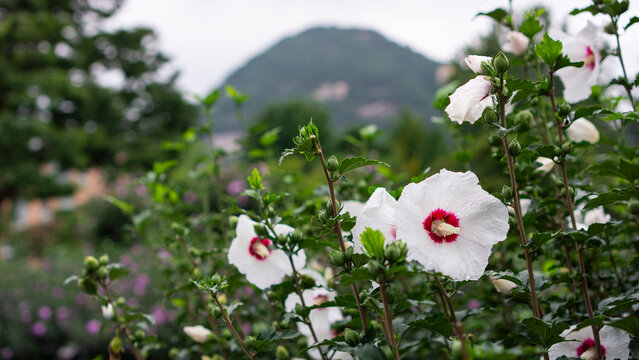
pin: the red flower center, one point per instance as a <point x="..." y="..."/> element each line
<point x="588" y="344"/>
<point x="589" y="60"/>
<point x="259" y="248"/>
<point x="441" y="226"/>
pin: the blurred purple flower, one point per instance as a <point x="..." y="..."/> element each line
<point x="473" y="304"/>
<point x="141" y="190"/>
<point x="160" y="316"/>
<point x="6" y="353"/>
<point x="92" y="327"/>
<point x="235" y="187"/>
<point x="126" y="260"/>
<point x="133" y="302"/>
<point x="39" y="329"/>
<point x="44" y="312"/>
<point x="80" y="299"/>
<point x="24" y="305"/>
<point x="189" y="197"/>
<point x="26" y="317"/>
<point x="246" y="327"/>
<point x="58" y="292"/>
<point x="141" y="283"/>
<point x="62" y="314"/>
<point x="47" y="265"/>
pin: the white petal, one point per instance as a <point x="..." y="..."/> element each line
<point x="352" y="207"/>
<point x="616" y="342"/>
<point x="378" y="214"/>
<point x="596" y="216"/>
<point x="474" y="62"/>
<point x="469" y="100"/>
<point x="546" y="164"/>
<point x="583" y="130"/>
<point x="516" y="43"/>
<point x="315" y="275"/>
<point x="198" y="333"/>
<point x="503" y="286"/>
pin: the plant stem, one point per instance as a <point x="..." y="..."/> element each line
<point x="458" y="326"/>
<point x="388" y="317"/>
<point x="623" y="66"/>
<point x="125" y="329"/>
<point x="229" y="324"/>
<point x="338" y="231"/>
<point x="516" y="203"/>
<point x="571" y="211"/>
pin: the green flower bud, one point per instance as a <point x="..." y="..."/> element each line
<point x="351" y="337"/>
<point x="328" y="206"/>
<point x="564" y="110"/>
<point x="507" y="192"/>
<point x="139" y="334"/>
<point x="260" y="230"/>
<point x="573" y="192"/>
<point x="116" y="345"/>
<point x="120" y="302"/>
<point x="633" y="206"/>
<point x="101" y="273"/>
<point x="299" y="309"/>
<point x="297" y="237"/>
<point x="332" y="164"/>
<point x="514" y="148"/>
<point x="173" y="353"/>
<point x="392" y="253"/>
<point x="88" y="286"/>
<point x="524" y="118"/>
<point x="490" y="116"/>
<point x="375" y="268"/>
<point x="336" y="257"/>
<point x="281" y="353"/>
<point x="216" y="312"/>
<point x="348" y="254"/>
<point x="233" y="221"/>
<point x="91" y="263"/>
<point x="307" y="282"/>
<point x="494" y="140"/>
<point x="104" y="260"/>
<point x="322" y="216"/>
<point x="501" y="63"/>
<point x="566" y="147"/>
<point x="249" y="341"/>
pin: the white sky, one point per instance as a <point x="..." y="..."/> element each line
<point x="208" y="39"/>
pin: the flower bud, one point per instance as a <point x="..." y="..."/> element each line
<point x="322" y="216"/>
<point x="566" y="147"/>
<point x="583" y="130"/>
<point x="501" y="63"/>
<point x="348" y="254"/>
<point x="490" y="116"/>
<point x="249" y="341"/>
<point x="514" y="148"/>
<point x="260" y="229"/>
<point x="91" y="263"/>
<point x="297" y="236"/>
<point x="336" y="258"/>
<point x="564" y="110"/>
<point x="392" y="254"/>
<point x="307" y="282"/>
<point x="328" y="206"/>
<point x="104" y="260"/>
<point x="116" y="345"/>
<point x="299" y="309"/>
<point x="503" y="286"/>
<point x="101" y="273"/>
<point x="139" y="334"/>
<point x="332" y="164"/>
<point x="633" y="206"/>
<point x="375" y="268"/>
<point x="120" y="302"/>
<point x="351" y="337"/>
<point x="88" y="286"/>
<point x="524" y="118"/>
<point x="281" y="353"/>
<point x="494" y="140"/>
<point x="507" y="192"/>
<point x="475" y="62"/>
<point x="173" y="353"/>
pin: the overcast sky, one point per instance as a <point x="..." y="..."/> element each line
<point x="208" y="39"/>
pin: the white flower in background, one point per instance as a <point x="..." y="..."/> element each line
<point x="582" y="130"/>
<point x="515" y="43"/>
<point x="581" y="344"/>
<point x="322" y="319"/>
<point x="474" y="62"/>
<point x="596" y="216"/>
<point x="450" y="224"/>
<point x="470" y="100"/>
<point x="586" y="47"/>
<point x="255" y="257"/>
<point x="107" y="311"/>
<point x="198" y="333"/>
<point x="503" y="286"/>
<point x="546" y="164"/>
<point x="352" y="207"/>
<point x="524" y="205"/>
<point x="378" y="214"/>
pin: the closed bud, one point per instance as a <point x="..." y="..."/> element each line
<point x="116" y="345"/>
<point x="564" y="110"/>
<point x="351" y="337"/>
<point x="490" y="116"/>
<point x="494" y="140"/>
<point x="328" y="206"/>
<point x="233" y="221"/>
<point x="139" y="334"/>
<point x="557" y="150"/>
<point x="299" y="309"/>
<point x="336" y="257"/>
<point x="173" y="353"/>
<point x="297" y="237"/>
<point x="91" y="263"/>
<point x="514" y="148"/>
<point x="120" y="302"/>
<point x="260" y="230"/>
<point x="573" y="192"/>
<point x="104" y="260"/>
<point x="322" y="216"/>
<point x="348" y="254"/>
<point x="566" y="147"/>
<point x="507" y="192"/>
<point x="281" y="353"/>
<point x="501" y="63"/>
<point x="216" y="312"/>
<point x="307" y="282"/>
<point x="101" y="273"/>
<point x="392" y="254"/>
<point x="524" y="118"/>
<point x="332" y="164"/>
<point x="249" y="341"/>
<point x="375" y="268"/>
<point x="633" y="206"/>
<point x="88" y="286"/>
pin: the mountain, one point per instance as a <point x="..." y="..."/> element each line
<point x="359" y="75"/>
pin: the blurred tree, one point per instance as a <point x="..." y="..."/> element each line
<point x="75" y="95"/>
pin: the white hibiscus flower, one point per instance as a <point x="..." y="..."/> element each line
<point x="474" y="62"/>
<point x="470" y="100"/>
<point x="546" y="164"/>
<point x="256" y="258"/>
<point x="198" y="333"/>
<point x="378" y="214"/>
<point x="583" y="130"/>
<point x="581" y="344"/>
<point x="450" y="224"/>
<point x="515" y="42"/>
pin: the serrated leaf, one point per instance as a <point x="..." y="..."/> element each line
<point x="613" y="196"/>
<point x="373" y="242"/>
<point x="117" y="271"/>
<point x="255" y="180"/>
<point x="437" y="322"/>
<point x="547" y="332"/>
<point x="211" y="98"/>
<point x="629" y="324"/>
<point x="498" y="15"/>
<point x="549" y="50"/>
<point x="160" y="167"/>
<point x="369" y="351"/>
<point x="530" y="27"/>
<point x="353" y="163"/>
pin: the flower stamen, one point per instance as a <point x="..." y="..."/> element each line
<point x="589" y="60"/>
<point x="259" y="248"/>
<point x="441" y="226"/>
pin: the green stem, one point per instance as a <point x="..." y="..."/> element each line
<point x="388" y="317"/>
<point x="229" y="324"/>
<point x="458" y="326"/>
<point x="623" y="66"/>
<point x="125" y="329"/>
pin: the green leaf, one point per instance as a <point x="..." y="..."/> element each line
<point x="593" y="9"/>
<point x="357" y="274"/>
<point x="613" y="196"/>
<point x="437" y="322"/>
<point x="564" y="61"/>
<point x="123" y="205"/>
<point x="523" y="88"/>
<point x="498" y="15"/>
<point x="629" y="324"/>
<point x="255" y="180"/>
<point x="526" y="156"/>
<point x="547" y="332"/>
<point x="237" y="96"/>
<point x="160" y="167"/>
<point x="539" y="238"/>
<point x="373" y="241"/>
<point x="211" y="98"/>
<point x="549" y="50"/>
<point x="117" y="271"/>
<point x="530" y="27"/>
<point x="353" y="163"/>
<point x="369" y="351"/>
<point x="270" y="137"/>
<point x="624" y="169"/>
